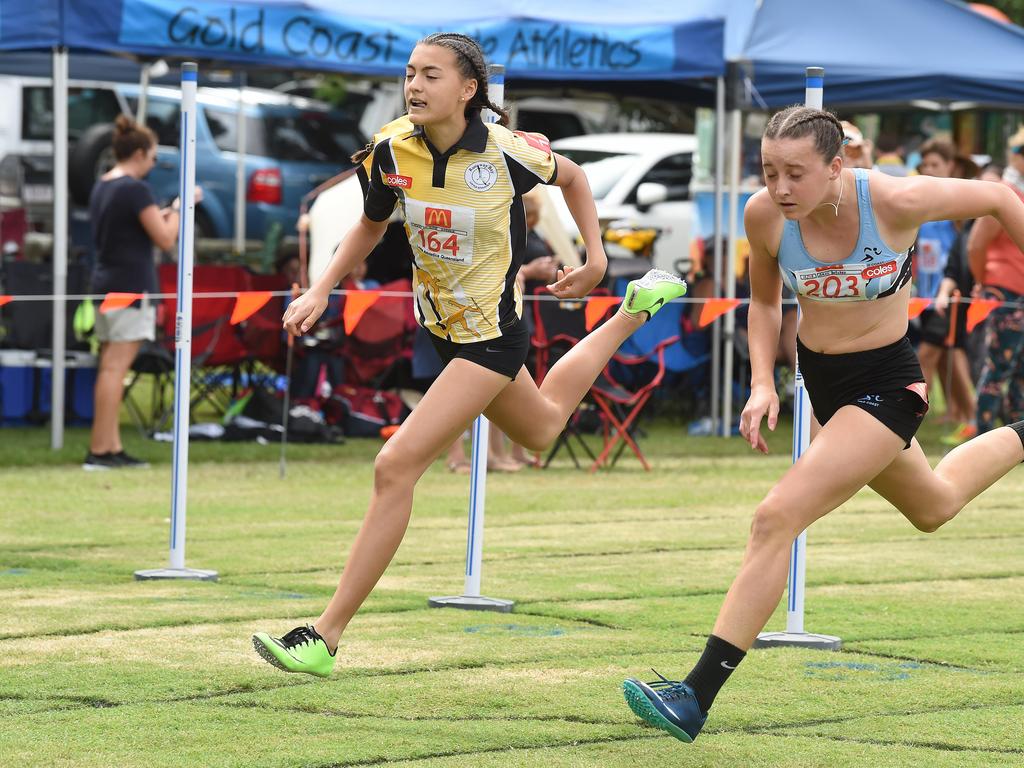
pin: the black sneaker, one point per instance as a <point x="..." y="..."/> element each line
<point x="100" y="462"/>
<point x="124" y="461"/>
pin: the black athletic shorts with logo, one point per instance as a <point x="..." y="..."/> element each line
<point x="505" y="355"/>
<point x="886" y="382"/>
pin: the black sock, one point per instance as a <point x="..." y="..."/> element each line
<point x="713" y="668"/>
<point x="1018" y="427"/>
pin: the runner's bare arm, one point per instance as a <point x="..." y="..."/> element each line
<point x="578" y="282"/>
<point x="355" y="247"/>
<point x="918" y="199"/>
<point x="764" y="320"/>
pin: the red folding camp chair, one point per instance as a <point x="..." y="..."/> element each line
<point x="382" y="339"/>
<point x="218" y="349"/>
<point x="558" y="325"/>
<point x="262" y="332"/>
<point x="620" y="406"/>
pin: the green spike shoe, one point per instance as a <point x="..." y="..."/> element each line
<point x="301" y="650"/>
<point x="651" y="292"/>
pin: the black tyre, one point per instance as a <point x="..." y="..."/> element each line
<point x="204" y="227"/>
<point x="90" y="158"/>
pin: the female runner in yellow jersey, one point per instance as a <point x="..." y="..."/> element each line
<point x="459" y="183"/>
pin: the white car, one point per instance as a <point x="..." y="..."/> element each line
<point x="640" y="180"/>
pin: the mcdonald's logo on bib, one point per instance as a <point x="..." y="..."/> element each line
<point x="438" y="217"/>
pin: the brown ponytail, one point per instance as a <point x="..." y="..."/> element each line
<point x="130" y="137"/>
<point x="362" y="154"/>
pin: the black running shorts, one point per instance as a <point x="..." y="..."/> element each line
<point x="935" y="328"/>
<point x="886" y="382"/>
<point x="505" y="355"/>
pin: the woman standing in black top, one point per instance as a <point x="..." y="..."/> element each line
<point x="126" y="224"/>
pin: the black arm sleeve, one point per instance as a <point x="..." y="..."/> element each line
<point x="523" y="179"/>
<point x="380" y="199"/>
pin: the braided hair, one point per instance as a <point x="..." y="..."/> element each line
<point x="469" y="57"/>
<point x="799" y="121"/>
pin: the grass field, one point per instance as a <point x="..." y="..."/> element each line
<point x="612" y="574"/>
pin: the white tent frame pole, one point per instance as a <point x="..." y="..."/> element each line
<point x="735" y="150"/>
<point x="60" y="243"/>
<point x="183" y="340"/>
<point x="716" y="327"/>
<point x="143" y="105"/>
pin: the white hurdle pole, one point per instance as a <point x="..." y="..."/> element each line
<point x="795" y="634"/>
<point x="183" y="338"/>
<point x="471" y="599"/>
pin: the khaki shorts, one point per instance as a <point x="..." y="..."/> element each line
<point x="129" y="324"/>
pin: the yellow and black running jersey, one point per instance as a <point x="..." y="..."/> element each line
<point x="464" y="217"/>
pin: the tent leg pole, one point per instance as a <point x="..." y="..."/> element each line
<point x="60" y="242"/>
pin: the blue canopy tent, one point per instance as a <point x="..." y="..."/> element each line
<point x="877" y="51"/>
<point x="569" y="40"/>
<point x="573" y="40"/>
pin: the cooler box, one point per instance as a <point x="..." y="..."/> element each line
<point x="18" y="377"/>
<point x="26" y="386"/>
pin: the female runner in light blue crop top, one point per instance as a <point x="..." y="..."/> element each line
<point x="840" y="238"/>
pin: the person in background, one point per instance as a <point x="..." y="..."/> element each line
<point x="539" y="263"/>
<point x="958" y="278"/>
<point x="1014" y="172"/>
<point x="998" y="265"/>
<point x="287" y="268"/>
<point x="540" y="268"/>
<point x="857" y="150"/>
<point x="890" y="156"/>
<point x="935" y="240"/>
<point x="126" y="223"/>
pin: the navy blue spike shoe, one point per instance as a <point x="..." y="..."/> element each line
<point x="666" y="704"/>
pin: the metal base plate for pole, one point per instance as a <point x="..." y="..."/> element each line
<point x="797" y="640"/>
<point x="192" y="574"/>
<point x="468" y="603"/>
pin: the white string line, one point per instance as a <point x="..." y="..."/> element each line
<point x="401" y="294"/>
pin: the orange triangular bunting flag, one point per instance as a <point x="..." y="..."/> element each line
<point x="596" y="308"/>
<point x="5" y="300"/>
<point x="248" y="304"/>
<point x="356" y="304"/>
<point x="714" y="309"/>
<point x="979" y="310"/>
<point x="917" y="306"/>
<point x="114" y="301"/>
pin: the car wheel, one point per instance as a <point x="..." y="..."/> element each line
<point x="90" y="158"/>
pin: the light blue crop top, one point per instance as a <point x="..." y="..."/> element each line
<point x="872" y="271"/>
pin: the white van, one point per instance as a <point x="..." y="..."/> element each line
<point x="641" y="180"/>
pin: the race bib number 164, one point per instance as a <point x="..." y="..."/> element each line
<point x="441" y="231"/>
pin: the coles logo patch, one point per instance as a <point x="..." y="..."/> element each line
<point x="535" y="140"/>
<point x="481" y="176"/>
<point x="878" y="270"/>
<point x="395" y="180"/>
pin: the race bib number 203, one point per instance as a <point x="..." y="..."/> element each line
<point x="441" y="231"/>
<point x="842" y="282"/>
